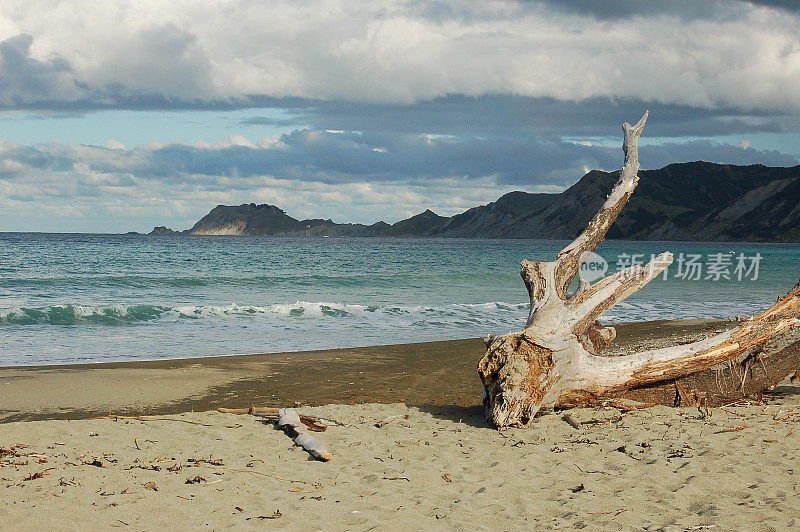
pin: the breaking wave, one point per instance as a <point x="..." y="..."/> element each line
<point x="487" y="314"/>
<point x="122" y="315"/>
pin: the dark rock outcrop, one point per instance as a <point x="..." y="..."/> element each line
<point x="423" y="224"/>
<point x="162" y="230"/>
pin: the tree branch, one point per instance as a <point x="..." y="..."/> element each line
<point x="568" y="260"/>
<point x="778" y="326"/>
<point x="591" y="303"/>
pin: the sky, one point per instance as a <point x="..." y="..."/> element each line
<point x="119" y="116"/>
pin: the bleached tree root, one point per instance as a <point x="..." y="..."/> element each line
<point x="554" y="361"/>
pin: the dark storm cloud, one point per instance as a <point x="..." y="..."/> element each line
<point x="349" y="157"/>
<point x="788" y="5"/>
<point x="517" y="115"/>
<point x="442" y="11"/>
<point x="685" y="9"/>
<point x="25" y="79"/>
<point x="702" y="150"/>
<point x="615" y="9"/>
<point x="463" y="115"/>
<point x="337" y="158"/>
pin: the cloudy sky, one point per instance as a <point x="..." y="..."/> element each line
<point x="118" y="116"/>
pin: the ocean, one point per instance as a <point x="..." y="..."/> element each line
<point x="83" y="298"/>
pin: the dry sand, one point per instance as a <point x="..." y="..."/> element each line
<point x="442" y="468"/>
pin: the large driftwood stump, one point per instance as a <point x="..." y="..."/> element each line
<point x="555" y="360"/>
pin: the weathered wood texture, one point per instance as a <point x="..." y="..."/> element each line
<point x="734" y="380"/>
<point x="289" y="421"/>
<point x="554" y="361"/>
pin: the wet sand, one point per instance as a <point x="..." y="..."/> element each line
<point x="433" y="373"/>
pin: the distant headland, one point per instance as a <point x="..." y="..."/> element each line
<point x="684" y="201"/>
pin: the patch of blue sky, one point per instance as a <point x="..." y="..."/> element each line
<point x="139" y="127"/>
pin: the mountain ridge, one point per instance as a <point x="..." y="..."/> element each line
<point x="682" y="201"/>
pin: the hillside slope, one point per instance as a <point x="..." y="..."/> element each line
<point x="687" y="201"/>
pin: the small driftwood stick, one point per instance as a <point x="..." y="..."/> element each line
<point x="309" y="421"/>
<point x="314" y="423"/>
<point x="289" y="421"/>
<point x="237" y="411"/>
<point x="251" y="410"/>
<point x="571" y="422"/>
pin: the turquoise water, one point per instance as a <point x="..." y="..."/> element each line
<point x="93" y="298"/>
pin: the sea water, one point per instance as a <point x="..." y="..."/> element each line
<point x="72" y="298"/>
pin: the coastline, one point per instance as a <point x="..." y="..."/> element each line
<point x="431" y="373"/>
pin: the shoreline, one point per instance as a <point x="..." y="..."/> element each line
<point x="438" y="373"/>
<point x="401" y="237"/>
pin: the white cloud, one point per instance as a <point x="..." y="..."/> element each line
<point x="115" y="145"/>
<point x="387" y="51"/>
<point x="240" y="140"/>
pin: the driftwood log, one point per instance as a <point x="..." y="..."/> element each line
<point x="312" y="423"/>
<point x="555" y="361"/>
<point x="289" y="421"/>
<point x="295" y="425"/>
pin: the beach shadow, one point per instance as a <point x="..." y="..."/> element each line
<point x="474" y="415"/>
<point x="469" y="415"/>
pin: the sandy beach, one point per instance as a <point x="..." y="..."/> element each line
<point x="441" y="468"/>
<point x="400" y="265"/>
<point x="435" y="464"/>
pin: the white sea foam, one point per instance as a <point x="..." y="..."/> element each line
<point x="202" y="330"/>
<point x="459" y="314"/>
